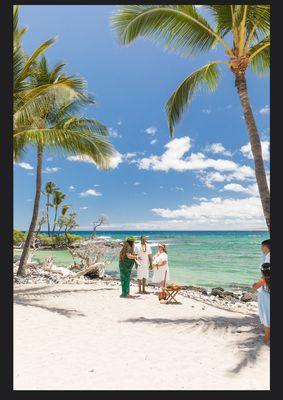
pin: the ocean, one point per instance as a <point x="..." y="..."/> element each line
<point x="209" y="259"/>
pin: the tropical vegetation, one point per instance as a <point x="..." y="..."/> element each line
<point x="47" y="106"/>
<point x="18" y="237"/>
<point x="242" y="31"/>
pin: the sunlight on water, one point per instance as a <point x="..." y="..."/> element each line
<point x="208" y="259"/>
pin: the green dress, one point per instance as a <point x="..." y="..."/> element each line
<point x="125" y="267"/>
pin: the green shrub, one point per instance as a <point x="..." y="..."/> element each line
<point x="59" y="240"/>
<point x="18" y="237"/>
<point x="45" y="240"/>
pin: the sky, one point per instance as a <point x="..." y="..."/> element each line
<point x="203" y="179"/>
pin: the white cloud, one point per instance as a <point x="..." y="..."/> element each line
<point x="144" y="193"/>
<point x="24" y="165"/>
<point x="235" y="187"/>
<point x="28" y="200"/>
<point x="136" y="183"/>
<point x="119" y="122"/>
<point x="50" y="170"/>
<point x="265" y="110"/>
<point x="161" y="187"/>
<point x="242" y="173"/>
<point x="130" y="155"/>
<point x="49" y="159"/>
<point x="114" y="133"/>
<point x="90" y="192"/>
<point x="200" y="198"/>
<point x="179" y="188"/>
<point x="31" y="173"/>
<point x="96" y="185"/>
<point x="206" y="111"/>
<point x="217" y="148"/>
<point x="83" y="208"/>
<point x="151" y="130"/>
<point x="246" y="150"/>
<point x="114" y="162"/>
<point x="71" y="187"/>
<point x="173" y="158"/>
<point x="153" y="141"/>
<point x="218" y="212"/>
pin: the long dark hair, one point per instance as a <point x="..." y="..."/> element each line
<point x="265" y="270"/>
<point x="126" y="247"/>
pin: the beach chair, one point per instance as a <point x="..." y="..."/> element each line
<point x="169" y="293"/>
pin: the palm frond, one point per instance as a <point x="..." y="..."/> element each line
<point x="258" y="18"/>
<point x="179" y="28"/>
<point x="224" y="16"/>
<point x="43" y="47"/>
<point x="260" y="57"/>
<point x="39" y="99"/>
<point x="67" y="141"/>
<point x="206" y="77"/>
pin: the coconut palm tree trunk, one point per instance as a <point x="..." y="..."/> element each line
<point x="47" y="212"/>
<point x="55" y="220"/>
<point x="241" y="85"/>
<point x="25" y="253"/>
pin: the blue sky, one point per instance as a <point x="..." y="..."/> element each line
<point x="203" y="179"/>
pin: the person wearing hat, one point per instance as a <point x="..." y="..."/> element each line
<point x="126" y="262"/>
<point x="160" y="266"/>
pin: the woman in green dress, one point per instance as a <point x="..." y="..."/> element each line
<point x="126" y="262"/>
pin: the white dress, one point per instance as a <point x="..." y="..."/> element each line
<point x="263" y="299"/>
<point x="143" y="252"/>
<point x="159" y="273"/>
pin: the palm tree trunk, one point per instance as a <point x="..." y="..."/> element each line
<point x="241" y="85"/>
<point x="55" y="218"/>
<point x="25" y="253"/>
<point x="47" y="212"/>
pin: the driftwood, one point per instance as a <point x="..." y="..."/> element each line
<point x="95" y="268"/>
<point x="95" y="255"/>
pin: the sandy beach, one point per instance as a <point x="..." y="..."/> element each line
<point x="84" y="336"/>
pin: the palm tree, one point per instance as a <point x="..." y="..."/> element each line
<point x="243" y="33"/>
<point x="50" y="188"/>
<point x="61" y="219"/>
<point x="41" y="222"/>
<point x="58" y="127"/>
<point x="58" y="197"/>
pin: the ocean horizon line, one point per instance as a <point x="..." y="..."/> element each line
<point x="160" y="230"/>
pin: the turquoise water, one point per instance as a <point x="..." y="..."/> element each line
<point x="207" y="259"/>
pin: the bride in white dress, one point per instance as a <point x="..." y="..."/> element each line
<point x="160" y="266"/>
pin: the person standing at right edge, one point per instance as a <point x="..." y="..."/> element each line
<point x="266" y="250"/>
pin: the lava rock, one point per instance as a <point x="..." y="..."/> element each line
<point x="217" y="292"/>
<point x="247" y="297"/>
<point x="196" y="289"/>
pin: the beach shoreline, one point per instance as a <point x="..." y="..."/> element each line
<point x="85" y="337"/>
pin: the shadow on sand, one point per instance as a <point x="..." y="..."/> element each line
<point x="249" y="346"/>
<point x="22" y="297"/>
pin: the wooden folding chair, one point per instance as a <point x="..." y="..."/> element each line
<point x="169" y="293"/>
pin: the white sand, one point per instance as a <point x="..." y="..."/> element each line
<point x="86" y="337"/>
